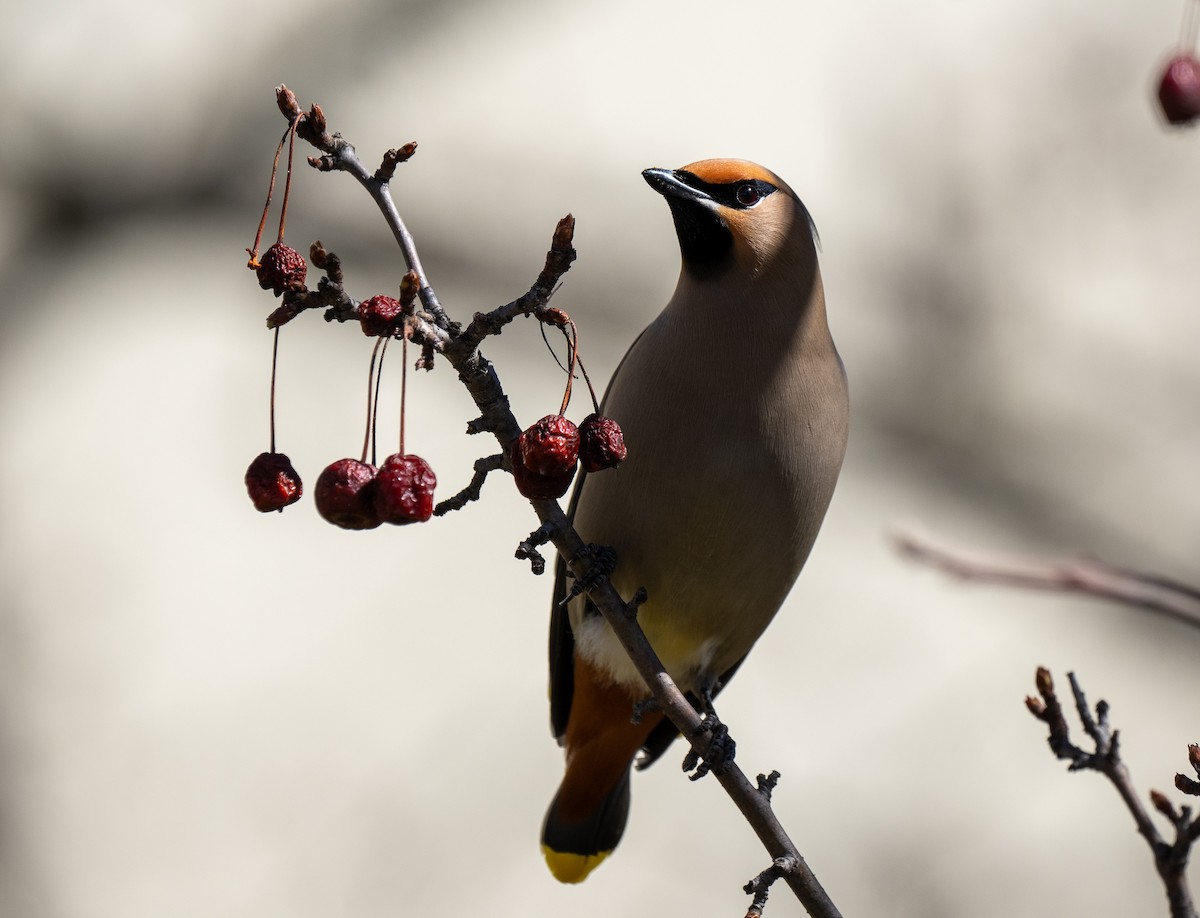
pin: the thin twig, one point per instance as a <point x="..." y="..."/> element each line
<point x="1170" y="860"/>
<point x="1086" y="576"/>
<point x="472" y="490"/>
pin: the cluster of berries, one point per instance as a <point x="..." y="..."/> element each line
<point x="350" y="493"/>
<point x="544" y="457"/>
<point x="353" y="493"/>
<point x="356" y="494"/>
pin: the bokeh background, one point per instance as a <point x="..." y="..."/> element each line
<point x="208" y="712"/>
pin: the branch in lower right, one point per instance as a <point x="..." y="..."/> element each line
<point x="1170" y="857"/>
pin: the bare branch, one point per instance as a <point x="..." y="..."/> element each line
<point x="1086" y="576"/>
<point x="1169" y="859"/>
<point x="558" y="261"/>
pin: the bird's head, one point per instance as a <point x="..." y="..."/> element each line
<point x="732" y="214"/>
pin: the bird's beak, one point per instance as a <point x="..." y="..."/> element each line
<point x="668" y="183"/>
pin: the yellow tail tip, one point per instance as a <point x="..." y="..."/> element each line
<point x="572" y="868"/>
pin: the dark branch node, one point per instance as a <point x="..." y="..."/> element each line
<point x="767" y="783"/>
<point x="472" y="490"/>
<point x="639" y="600"/>
<point x="425" y="361"/>
<point x="329" y="293"/>
<point x="760" y="886"/>
<point x="393" y="158"/>
<point x="527" y="550"/>
<point x="642" y="708"/>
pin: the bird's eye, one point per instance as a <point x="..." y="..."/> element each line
<point x="747" y="195"/>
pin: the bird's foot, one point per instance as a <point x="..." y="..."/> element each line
<point x="601" y="561"/>
<point x="719" y="754"/>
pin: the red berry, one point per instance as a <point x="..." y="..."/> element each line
<point x="601" y="443"/>
<point x="533" y="485"/>
<point x="404" y="490"/>
<point x="378" y="315"/>
<point x="281" y="268"/>
<point x="272" y="482"/>
<point x="344" y="494"/>
<point x="1179" y="89"/>
<point x="551" y="446"/>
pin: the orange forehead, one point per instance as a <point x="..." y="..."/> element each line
<point x="726" y="171"/>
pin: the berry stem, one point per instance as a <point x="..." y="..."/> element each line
<point x="267" y="207"/>
<point x="592" y="392"/>
<point x="378" y="389"/>
<point x="573" y="347"/>
<point x="274" y="368"/>
<point x="287" y="183"/>
<point x="370" y="399"/>
<point x="403" y="380"/>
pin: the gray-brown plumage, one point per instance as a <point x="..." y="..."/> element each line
<point x="734" y="406"/>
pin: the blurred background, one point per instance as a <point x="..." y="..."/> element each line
<point x="209" y="712"/>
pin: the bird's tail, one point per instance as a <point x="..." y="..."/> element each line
<point x="574" y="844"/>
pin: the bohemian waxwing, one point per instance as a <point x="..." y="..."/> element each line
<point x="734" y="407"/>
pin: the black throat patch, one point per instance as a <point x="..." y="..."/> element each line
<point x="704" y="238"/>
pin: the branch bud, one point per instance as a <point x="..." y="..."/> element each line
<point x="286" y="100"/>
<point x="1045" y="684"/>
<point x="1194" y="756"/>
<point x="283" y="314"/>
<point x="317" y="255"/>
<point x="1187" y="785"/>
<point x="409" y="285"/>
<point x="1162" y="804"/>
<point x="393" y="158"/>
<point x="1036" y="706"/>
<point x="316" y="119"/>
<point x="564" y="234"/>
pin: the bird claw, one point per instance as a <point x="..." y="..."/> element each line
<point x="720" y="752"/>
<point x="602" y="561"/>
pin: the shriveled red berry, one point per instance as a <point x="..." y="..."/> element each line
<point x="551" y="446"/>
<point x="272" y="482"/>
<point x="378" y="315"/>
<point x="404" y="490"/>
<point x="534" y="485"/>
<point x="601" y="443"/>
<point x="281" y="268"/>
<point x="344" y="494"/>
<point x="1179" y="89"/>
